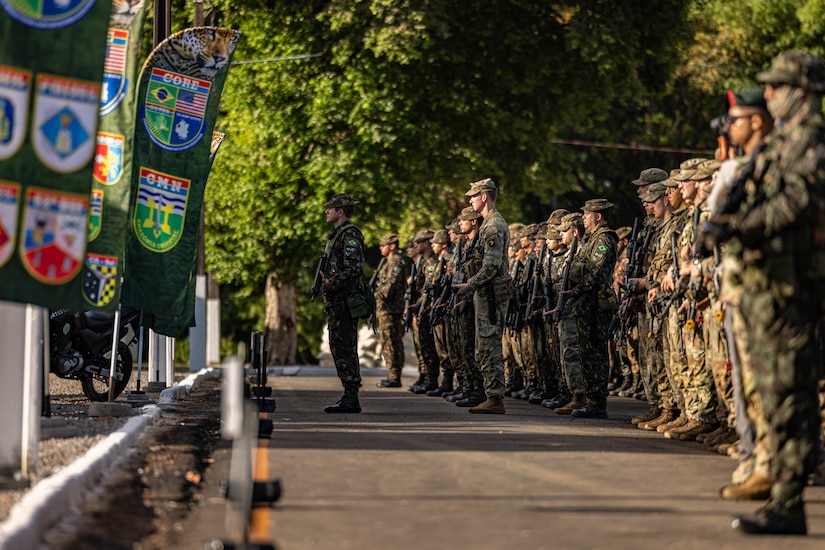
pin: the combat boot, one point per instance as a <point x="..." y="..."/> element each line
<point x="590" y="411"/>
<point x="579" y="401"/>
<point x="721" y="429"/>
<point x="417" y="383"/>
<point x="667" y="415"/>
<point x="680" y="420"/>
<point x="556" y="402"/>
<point x="430" y="383"/>
<point x="654" y="412"/>
<point x="676" y="430"/>
<point x="702" y="428"/>
<point x="635" y="385"/>
<point x="347" y="404"/>
<point x="538" y="396"/>
<point x="473" y="399"/>
<point x="626" y="382"/>
<point x="728" y="437"/>
<point x="389" y="383"/>
<point x="769" y="521"/>
<point x="756" y="487"/>
<point x="493" y="405"/>
<point x="441" y="390"/>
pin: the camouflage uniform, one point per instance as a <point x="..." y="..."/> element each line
<point x="780" y="224"/>
<point x="596" y="303"/>
<point x="422" y="333"/>
<point x="391" y="284"/>
<point x="344" y="271"/>
<point x="491" y="286"/>
<point x="466" y="323"/>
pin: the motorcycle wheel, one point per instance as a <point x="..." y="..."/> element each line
<point x="96" y="386"/>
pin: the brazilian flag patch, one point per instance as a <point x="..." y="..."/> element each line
<point x="601" y="247"/>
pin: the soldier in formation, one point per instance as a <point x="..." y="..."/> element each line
<point x="709" y="307"/>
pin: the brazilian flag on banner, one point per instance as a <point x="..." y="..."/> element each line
<point x="51" y="67"/>
<point x="177" y="105"/>
<point x="112" y="173"/>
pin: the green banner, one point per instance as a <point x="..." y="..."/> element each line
<point x="51" y="67"/>
<point x="177" y="105"/>
<point x="112" y="173"/>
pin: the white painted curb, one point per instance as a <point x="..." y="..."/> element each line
<point x="51" y="499"/>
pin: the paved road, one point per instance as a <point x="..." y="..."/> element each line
<point x="416" y="472"/>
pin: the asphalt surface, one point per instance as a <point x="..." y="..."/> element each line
<point x="417" y="472"/>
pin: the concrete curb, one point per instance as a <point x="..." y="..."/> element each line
<point x="58" y="495"/>
<point x="330" y="371"/>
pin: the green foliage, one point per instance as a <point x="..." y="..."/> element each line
<point x="409" y="101"/>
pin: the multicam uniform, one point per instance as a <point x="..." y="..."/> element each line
<point x="391" y="283"/>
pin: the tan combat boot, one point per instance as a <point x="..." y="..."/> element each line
<point x="756" y="487"/>
<point x="675" y="431"/>
<point x="654" y="412"/>
<point x="578" y="402"/>
<point x="680" y="420"/>
<point x="493" y="405"/>
<point x="667" y="415"/>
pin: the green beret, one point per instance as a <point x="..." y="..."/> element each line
<point x="750" y="97"/>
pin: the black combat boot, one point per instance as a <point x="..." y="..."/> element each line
<point x="770" y="521"/>
<point x="621" y="385"/>
<point x="476" y="397"/>
<point x="635" y="384"/>
<point x="347" y="404"/>
<point x="416" y="383"/>
<point x="389" y="383"/>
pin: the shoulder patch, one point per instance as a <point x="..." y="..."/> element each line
<point x="601" y="247"/>
<point x="352" y="242"/>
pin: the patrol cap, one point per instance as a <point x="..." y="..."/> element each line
<point x="749" y="97"/>
<point x="440" y="237"/>
<point x="389" y="239"/>
<point x="541" y="232"/>
<point x="529" y="232"/>
<point x="707" y="186"/>
<point x="706" y="169"/>
<point x="487" y="184"/>
<point x="515" y="228"/>
<point x="624" y="232"/>
<point x="796" y="68"/>
<point x="570" y="220"/>
<point x="688" y="168"/>
<point x="339" y="201"/>
<point x="552" y="234"/>
<point x="655" y="192"/>
<point x="453" y="226"/>
<point x="423" y="235"/>
<point x="671" y="181"/>
<point x="469" y="214"/>
<point x="597" y="205"/>
<point x="557" y="215"/>
<point x="650" y="175"/>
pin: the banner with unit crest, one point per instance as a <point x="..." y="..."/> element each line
<point x="51" y="68"/>
<point x="112" y="173"/>
<point x="177" y="106"/>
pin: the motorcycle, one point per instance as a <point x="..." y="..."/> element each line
<point x="81" y="349"/>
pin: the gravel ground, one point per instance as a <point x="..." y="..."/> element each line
<point x="55" y="453"/>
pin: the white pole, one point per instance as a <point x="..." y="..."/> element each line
<point x="113" y="362"/>
<point x="197" y="334"/>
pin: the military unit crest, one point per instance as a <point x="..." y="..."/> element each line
<point x="54" y="238"/>
<point x="14" y="106"/>
<point x="54" y="14"/>
<point x="100" y="279"/>
<point x="175" y="109"/>
<point x="115" y="81"/>
<point x="9" y="199"/>
<point x="160" y="210"/>
<point x="65" y="115"/>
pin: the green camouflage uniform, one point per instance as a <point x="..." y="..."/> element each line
<point x="391" y="284"/>
<point x="345" y="270"/>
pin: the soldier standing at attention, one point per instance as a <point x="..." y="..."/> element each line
<point x="595" y="290"/>
<point x="389" y="309"/>
<point x="491" y="286"/>
<point x="343" y="274"/>
<point x="780" y="223"/>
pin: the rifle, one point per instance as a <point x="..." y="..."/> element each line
<point x="565" y="278"/>
<point x="373" y="280"/>
<point x="319" y="273"/>
<point x="523" y="295"/>
<point x="623" y="319"/>
<point x="512" y="309"/>
<point x="445" y="294"/>
<point x="460" y="273"/>
<point x="429" y="291"/>
<point x="410" y="297"/>
<point x="537" y="278"/>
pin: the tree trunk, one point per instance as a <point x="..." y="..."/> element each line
<point x="280" y="330"/>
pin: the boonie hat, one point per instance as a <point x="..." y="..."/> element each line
<point x="423" y="235"/>
<point x="389" y="239"/>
